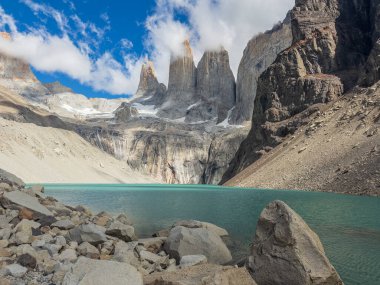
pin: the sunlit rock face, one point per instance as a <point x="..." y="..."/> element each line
<point x="332" y="50"/>
<point x="215" y="88"/>
<point x="259" y="54"/>
<point x="16" y="75"/>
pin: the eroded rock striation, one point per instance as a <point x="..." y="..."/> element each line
<point x="286" y="251"/>
<point x="322" y="63"/>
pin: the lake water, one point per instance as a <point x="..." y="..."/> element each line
<point x="348" y="226"/>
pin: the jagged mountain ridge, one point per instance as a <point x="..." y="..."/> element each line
<point x="179" y="134"/>
<point x="335" y="46"/>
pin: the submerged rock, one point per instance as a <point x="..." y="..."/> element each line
<point x="186" y="241"/>
<point x="286" y="251"/>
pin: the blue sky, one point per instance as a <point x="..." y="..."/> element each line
<point x="97" y="47"/>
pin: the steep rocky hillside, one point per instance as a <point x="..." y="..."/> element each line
<point x="335" y="47"/>
<point x="39" y="147"/>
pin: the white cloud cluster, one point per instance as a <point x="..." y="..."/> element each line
<point x="208" y="24"/>
<point x="211" y="24"/>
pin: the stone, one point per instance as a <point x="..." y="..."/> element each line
<point x="38" y="243"/>
<point x="87" y="232"/>
<point x="206" y="274"/>
<point x="152" y="244"/>
<point x="150" y="257"/>
<point x="4" y="252"/>
<point x="26" y="224"/>
<point x="5" y="233"/>
<point x="286" y="251"/>
<point x="122" y="218"/>
<point x="88" y="250"/>
<point x="16" y="270"/>
<point x="192" y="260"/>
<point x="4" y="243"/>
<point x="68" y="255"/>
<point x="24" y="200"/>
<point x="63" y="224"/>
<point x="27" y="260"/>
<point x="10" y="179"/>
<point x="53" y="249"/>
<point x="84" y="210"/>
<point x="162" y="233"/>
<point x="126" y="252"/>
<point x="98" y="272"/>
<point x="184" y="241"/>
<point x="60" y="240"/>
<point x="121" y="231"/>
<point x="197" y="224"/>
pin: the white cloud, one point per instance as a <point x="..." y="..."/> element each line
<point x="50" y="53"/>
<point x="211" y="24"/>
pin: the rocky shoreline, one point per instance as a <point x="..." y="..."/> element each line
<point x="43" y="241"/>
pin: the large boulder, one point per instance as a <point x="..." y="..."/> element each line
<point x="21" y="200"/>
<point x="100" y="272"/>
<point x="121" y="231"/>
<point x="206" y="274"/>
<point x="8" y="178"/>
<point x="286" y="251"/>
<point x="194" y="241"/>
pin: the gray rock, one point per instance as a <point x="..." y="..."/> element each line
<point x="286" y="251"/>
<point x="68" y="255"/>
<point x="126" y="252"/>
<point x="88" y="250"/>
<point x="151" y="257"/>
<point x="184" y="241"/>
<point x="121" y="231"/>
<point x="11" y="179"/>
<point x="53" y="249"/>
<point x="27" y="201"/>
<point x="125" y="112"/>
<point x="63" y="224"/>
<point x="15" y="270"/>
<point x="87" y="232"/>
<point x="99" y="272"/>
<point x="192" y="260"/>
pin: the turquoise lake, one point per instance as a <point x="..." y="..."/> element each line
<point x="348" y="226"/>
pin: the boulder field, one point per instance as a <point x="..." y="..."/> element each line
<point x="43" y="241"/>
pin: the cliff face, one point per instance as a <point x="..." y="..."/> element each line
<point x="182" y="83"/>
<point x="259" y="54"/>
<point x="16" y="75"/>
<point x="215" y="87"/>
<point x="332" y="41"/>
<point x="169" y="151"/>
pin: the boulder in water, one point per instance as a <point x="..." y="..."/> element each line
<point x="286" y="251"/>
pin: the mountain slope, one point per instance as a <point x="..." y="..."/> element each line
<point x="338" y="149"/>
<point x="39" y="147"/>
<point x="335" y="47"/>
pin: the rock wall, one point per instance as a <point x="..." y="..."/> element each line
<point x="215" y="87"/>
<point x="259" y="54"/>
<point x="331" y="43"/>
<point x="173" y="153"/>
